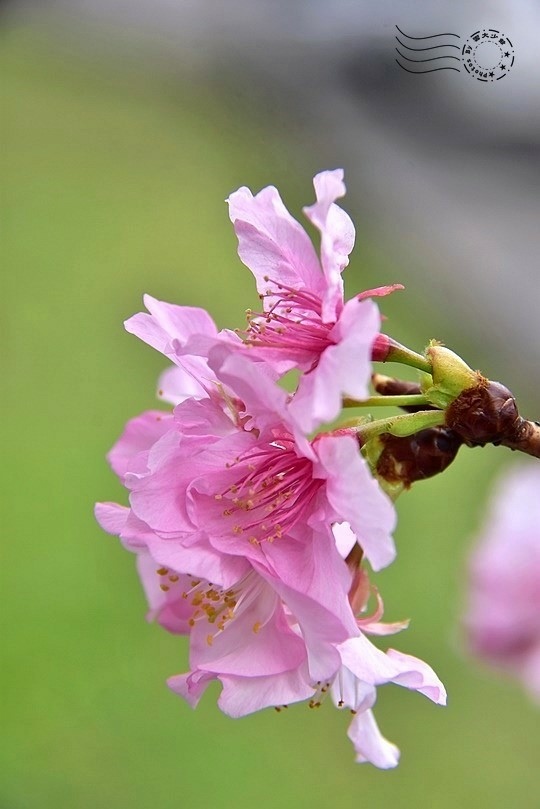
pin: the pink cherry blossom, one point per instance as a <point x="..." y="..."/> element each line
<point x="305" y="323"/>
<point x="241" y="529"/>
<point x="250" y="641"/>
<point x="237" y="510"/>
<point x="247" y="527"/>
<point x="217" y="500"/>
<point x="503" y="614"/>
<point x="235" y="437"/>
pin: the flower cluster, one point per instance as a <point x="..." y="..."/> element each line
<point x="503" y="614"/>
<point x="251" y="522"/>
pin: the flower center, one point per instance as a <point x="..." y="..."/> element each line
<point x="217" y="606"/>
<point x="274" y="489"/>
<point x="209" y="601"/>
<point x="292" y="320"/>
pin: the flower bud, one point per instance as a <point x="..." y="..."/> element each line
<point x="382" y="347"/>
<point x="484" y="414"/>
<point x="416" y="457"/>
<point x="450" y="376"/>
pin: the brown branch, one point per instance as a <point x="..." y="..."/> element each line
<point x="484" y="414"/>
<point x="525" y="437"/>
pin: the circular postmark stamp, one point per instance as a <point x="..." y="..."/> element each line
<point x="487" y="55"/>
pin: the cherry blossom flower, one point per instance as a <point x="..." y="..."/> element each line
<point x="223" y="487"/>
<point x="305" y="323"/>
<point x="503" y="614"/>
<point x="237" y="441"/>
<point x="242" y="520"/>
<point x="248" y="639"/>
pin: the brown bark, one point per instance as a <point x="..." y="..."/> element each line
<point x="525" y="437"/>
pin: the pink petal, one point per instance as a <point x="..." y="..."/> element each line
<point x="344" y="369"/>
<point x="372" y="666"/>
<point x="357" y="498"/>
<point x="254" y="383"/>
<point x="139" y="436"/>
<point x="345" y="538"/>
<point x="369" y="744"/>
<point x="111" y="517"/>
<point x="245" y="695"/>
<point x="196" y="555"/>
<point x="120" y="521"/>
<point x="257" y="641"/>
<point x="176" y="384"/>
<point x="383" y="628"/>
<point x="272" y="243"/>
<point x="169" y="328"/>
<point x="313" y="581"/>
<point x="337" y="235"/>
<point x="350" y="692"/>
<point x="204" y="418"/>
<point x="158" y="497"/>
<point x="417" y="675"/>
<point x="191" y="686"/>
<point x="167" y="321"/>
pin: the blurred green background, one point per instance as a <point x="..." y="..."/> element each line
<point x="114" y="183"/>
